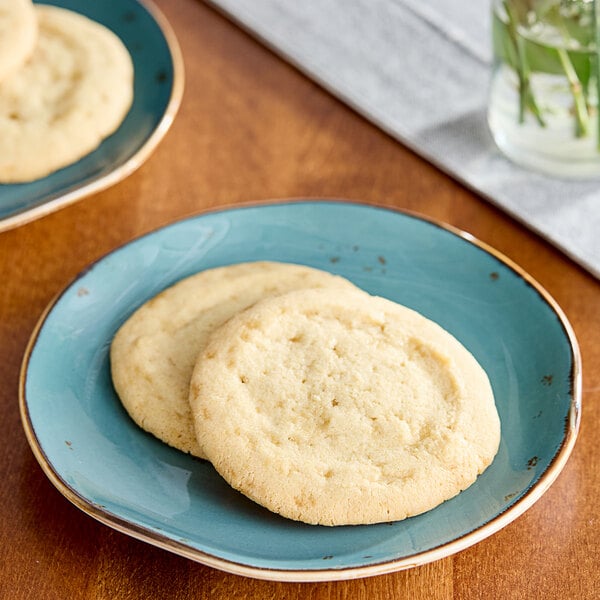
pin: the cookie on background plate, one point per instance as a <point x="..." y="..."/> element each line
<point x="154" y="352"/>
<point x="18" y="34"/>
<point x="340" y="409"/>
<point x="73" y="91"/>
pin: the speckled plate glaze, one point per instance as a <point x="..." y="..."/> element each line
<point x="101" y="461"/>
<point x="158" y="87"/>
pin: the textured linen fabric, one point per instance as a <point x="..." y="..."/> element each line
<point x="420" y="71"/>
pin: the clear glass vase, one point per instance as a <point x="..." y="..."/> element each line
<point x="543" y="105"/>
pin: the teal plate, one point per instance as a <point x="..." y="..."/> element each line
<point x="158" y="87"/>
<point x="101" y="461"/>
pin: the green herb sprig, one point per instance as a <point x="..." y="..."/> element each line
<point x="572" y="51"/>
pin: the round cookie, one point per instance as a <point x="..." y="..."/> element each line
<point x="338" y="409"/>
<point x="18" y="34"/>
<point x="154" y="352"/>
<point x="74" y="90"/>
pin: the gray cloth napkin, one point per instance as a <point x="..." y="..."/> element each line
<point x="420" y="71"/>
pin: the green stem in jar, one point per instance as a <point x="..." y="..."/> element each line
<point x="516" y="50"/>
<point x="582" y="119"/>
<point x="596" y="66"/>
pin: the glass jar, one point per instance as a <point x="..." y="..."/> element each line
<point x="543" y="105"/>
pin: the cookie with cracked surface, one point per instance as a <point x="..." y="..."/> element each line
<point x="18" y="34"/>
<point x="154" y="352"/>
<point x="73" y="91"/>
<point x="339" y="409"/>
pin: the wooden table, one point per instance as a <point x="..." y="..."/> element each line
<point x="251" y="128"/>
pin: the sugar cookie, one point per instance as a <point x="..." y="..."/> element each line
<point x="340" y="409"/>
<point x="18" y="34"/>
<point x="74" y="90"/>
<point x="153" y="353"/>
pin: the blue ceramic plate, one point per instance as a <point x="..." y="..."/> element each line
<point x="158" y="88"/>
<point x="101" y="461"/>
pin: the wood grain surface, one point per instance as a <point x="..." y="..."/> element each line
<point x="250" y="128"/>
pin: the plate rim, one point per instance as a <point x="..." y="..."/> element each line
<point x="136" y="160"/>
<point x="526" y="501"/>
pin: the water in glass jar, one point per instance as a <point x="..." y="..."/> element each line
<point x="544" y="90"/>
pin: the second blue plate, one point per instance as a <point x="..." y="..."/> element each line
<point x="158" y="87"/>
